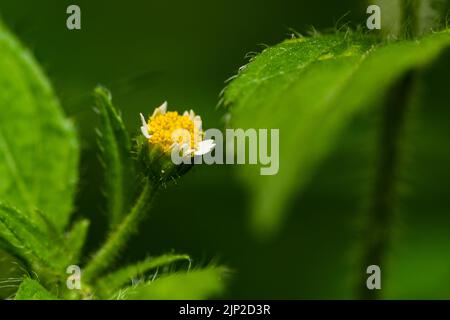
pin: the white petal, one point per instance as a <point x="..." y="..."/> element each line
<point x="144" y="131"/>
<point x="163" y="107"/>
<point x="144" y="127"/>
<point x="160" y="110"/>
<point x="205" y="147"/>
<point x="198" y="122"/>
<point x="144" y="122"/>
<point x="209" y="142"/>
<point x="185" y="113"/>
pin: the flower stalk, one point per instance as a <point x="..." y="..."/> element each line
<point x="121" y="234"/>
<point x="153" y="152"/>
<point x="380" y="217"/>
<point x="410" y="18"/>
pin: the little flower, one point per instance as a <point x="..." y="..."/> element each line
<point x="172" y="131"/>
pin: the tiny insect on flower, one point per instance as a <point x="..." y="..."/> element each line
<point x="172" y="131"/>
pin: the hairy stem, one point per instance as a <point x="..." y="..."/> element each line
<point x="381" y="210"/>
<point x="410" y="19"/>
<point x="120" y="235"/>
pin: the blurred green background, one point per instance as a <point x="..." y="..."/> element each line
<point x="146" y="52"/>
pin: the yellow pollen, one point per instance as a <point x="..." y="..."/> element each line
<point x="163" y="129"/>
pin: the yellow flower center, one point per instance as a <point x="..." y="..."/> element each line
<point x="169" y="128"/>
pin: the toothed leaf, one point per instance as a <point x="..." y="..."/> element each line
<point x="193" y="285"/>
<point x="13" y="251"/>
<point x="115" y="147"/>
<point x="38" y="145"/>
<point x="28" y="237"/>
<point x="75" y="240"/>
<point x="32" y="290"/>
<point x="117" y="279"/>
<point x="310" y="89"/>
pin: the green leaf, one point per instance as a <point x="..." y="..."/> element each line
<point x="310" y="89"/>
<point x="27" y="238"/>
<point x="75" y="240"/>
<point x="115" y="147"/>
<point x="117" y="279"/>
<point x="193" y="285"/>
<point x="38" y="145"/>
<point x="32" y="290"/>
<point x="13" y="251"/>
<point x="40" y="245"/>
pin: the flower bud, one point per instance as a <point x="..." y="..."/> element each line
<point x="168" y="143"/>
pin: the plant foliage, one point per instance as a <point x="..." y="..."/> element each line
<point x="39" y="167"/>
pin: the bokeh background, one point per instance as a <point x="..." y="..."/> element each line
<point x="146" y="52"/>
